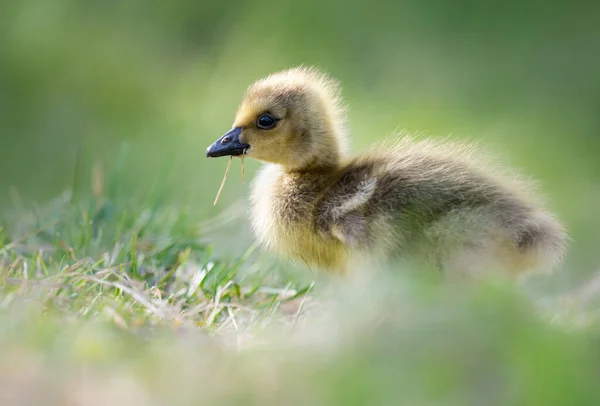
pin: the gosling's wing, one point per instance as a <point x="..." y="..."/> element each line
<point x="409" y="181"/>
<point x="342" y="212"/>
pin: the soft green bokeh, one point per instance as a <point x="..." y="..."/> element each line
<point x="166" y="77"/>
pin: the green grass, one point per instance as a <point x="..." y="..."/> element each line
<point x="141" y="267"/>
<point x="108" y="301"/>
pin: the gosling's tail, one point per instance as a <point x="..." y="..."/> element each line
<point x="542" y="241"/>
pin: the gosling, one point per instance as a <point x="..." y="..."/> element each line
<point x="433" y="203"/>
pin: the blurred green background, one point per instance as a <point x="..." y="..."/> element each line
<point x="83" y="79"/>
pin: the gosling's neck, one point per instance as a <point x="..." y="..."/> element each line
<point x="326" y="156"/>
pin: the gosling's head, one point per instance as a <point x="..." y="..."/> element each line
<point x="294" y="118"/>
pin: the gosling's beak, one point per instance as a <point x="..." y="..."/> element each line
<point x="229" y="144"/>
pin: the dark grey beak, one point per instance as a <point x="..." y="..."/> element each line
<point x="229" y="144"/>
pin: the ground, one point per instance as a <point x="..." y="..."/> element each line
<point x="105" y="303"/>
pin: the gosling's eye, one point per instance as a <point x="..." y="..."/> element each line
<point x="266" y="122"/>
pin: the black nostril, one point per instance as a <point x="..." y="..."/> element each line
<point x="225" y="140"/>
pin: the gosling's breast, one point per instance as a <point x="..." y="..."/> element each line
<point x="283" y="219"/>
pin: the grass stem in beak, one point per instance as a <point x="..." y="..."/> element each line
<point x="223" y="182"/>
<point x="243" y="165"/>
